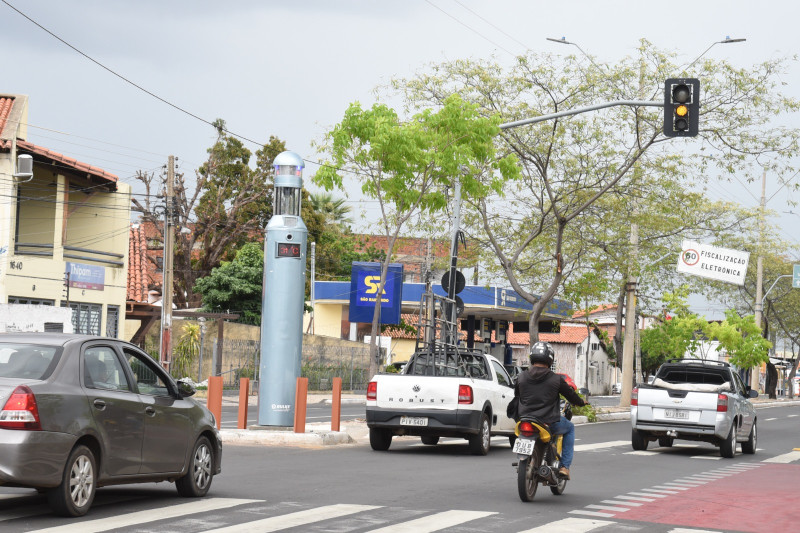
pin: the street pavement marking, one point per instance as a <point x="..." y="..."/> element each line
<point x="659" y="491"/>
<point x="601" y="445"/>
<point x="150" y="515"/>
<point x="570" y="525"/>
<point x="590" y="513"/>
<point x="613" y="509"/>
<point x="434" y="522"/>
<point x="648" y="494"/>
<point x="769" y="419"/>
<point x="684" y="530"/>
<point x="671" y="486"/>
<point x="785" y="458"/>
<point x="300" y="518"/>
<point x="792" y="416"/>
<point x="641" y="452"/>
<point x="619" y="502"/>
<point x="635" y="498"/>
<point x="713" y="458"/>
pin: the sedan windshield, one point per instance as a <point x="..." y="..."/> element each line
<point x="26" y="361"/>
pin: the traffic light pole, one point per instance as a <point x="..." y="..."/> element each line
<point x="578" y="111"/>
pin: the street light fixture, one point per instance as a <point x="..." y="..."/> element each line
<point x="726" y="40"/>
<point x="564" y="40"/>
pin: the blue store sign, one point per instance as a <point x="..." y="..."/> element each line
<point x="86" y="276"/>
<point x="365" y="280"/>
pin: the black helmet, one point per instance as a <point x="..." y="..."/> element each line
<point x="542" y="352"/>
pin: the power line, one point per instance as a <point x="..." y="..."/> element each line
<point x="468" y="27"/>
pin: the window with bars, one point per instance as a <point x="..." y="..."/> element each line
<point x="112" y="321"/>
<point x="85" y="317"/>
<point x="29" y="301"/>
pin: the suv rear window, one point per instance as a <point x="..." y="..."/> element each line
<point x="27" y="361"/>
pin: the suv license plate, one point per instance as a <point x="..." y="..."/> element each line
<point x="676" y="413"/>
<point x="413" y="421"/>
<point x="523" y="446"/>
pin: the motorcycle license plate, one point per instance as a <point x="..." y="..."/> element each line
<point x="523" y="446"/>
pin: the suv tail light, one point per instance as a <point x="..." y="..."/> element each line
<point x="635" y="396"/>
<point x="20" y="411"/>
<point x="372" y="390"/>
<point x="722" y="403"/>
<point x="464" y="394"/>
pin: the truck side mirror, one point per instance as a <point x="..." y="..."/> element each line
<point x="752" y="393"/>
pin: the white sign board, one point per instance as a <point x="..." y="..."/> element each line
<point x="713" y="262"/>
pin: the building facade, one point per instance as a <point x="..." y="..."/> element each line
<point x="63" y="231"/>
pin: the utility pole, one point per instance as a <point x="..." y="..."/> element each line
<point x="168" y="262"/>
<point x="759" y="305"/>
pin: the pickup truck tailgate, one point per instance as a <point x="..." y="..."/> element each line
<point x="678" y="406"/>
<point x="408" y="392"/>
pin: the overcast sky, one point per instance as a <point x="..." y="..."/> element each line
<point x="290" y="68"/>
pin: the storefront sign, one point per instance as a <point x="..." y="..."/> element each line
<point x="86" y="276"/>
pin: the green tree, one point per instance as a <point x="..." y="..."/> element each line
<point x="536" y="227"/>
<point x="230" y="204"/>
<point x="741" y="338"/>
<point x="236" y="285"/>
<point x="408" y="166"/>
<point x="333" y="209"/>
<point x="186" y="350"/>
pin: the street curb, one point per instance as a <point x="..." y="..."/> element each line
<point x="312" y="437"/>
<point x="348" y="401"/>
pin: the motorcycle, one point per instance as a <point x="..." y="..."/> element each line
<point x="539" y="456"/>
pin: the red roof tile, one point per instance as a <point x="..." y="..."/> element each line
<point x="137" y="266"/>
<point x="96" y="172"/>
<point x="6" y="103"/>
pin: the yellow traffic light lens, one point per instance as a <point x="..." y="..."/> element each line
<point x="681" y="110"/>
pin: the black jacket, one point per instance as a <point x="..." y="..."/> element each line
<point x="538" y="389"/>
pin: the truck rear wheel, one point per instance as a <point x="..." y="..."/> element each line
<point x="749" y="446"/>
<point x="727" y="448"/>
<point x="479" y="444"/>
<point x="638" y="440"/>
<point x="380" y="439"/>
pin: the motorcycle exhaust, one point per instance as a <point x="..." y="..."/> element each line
<point x="547" y="473"/>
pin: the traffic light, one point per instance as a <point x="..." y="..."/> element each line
<point x="681" y="107"/>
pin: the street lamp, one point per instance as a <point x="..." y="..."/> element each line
<point x="564" y="40"/>
<point x="726" y="40"/>
<point x="202" y="321"/>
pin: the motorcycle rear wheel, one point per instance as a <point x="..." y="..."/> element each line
<point x="526" y="476"/>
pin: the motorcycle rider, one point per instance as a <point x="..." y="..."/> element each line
<point x="538" y="390"/>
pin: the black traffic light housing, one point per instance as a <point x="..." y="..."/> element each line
<point x="681" y="107"/>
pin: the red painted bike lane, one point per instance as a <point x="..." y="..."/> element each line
<point x="756" y="500"/>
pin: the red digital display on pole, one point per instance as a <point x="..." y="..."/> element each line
<point x="287" y="249"/>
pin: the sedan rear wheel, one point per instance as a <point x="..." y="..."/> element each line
<point x="197" y="480"/>
<point x="74" y="496"/>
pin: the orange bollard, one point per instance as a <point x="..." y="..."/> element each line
<point x="244" y="393"/>
<point x="300" y="399"/>
<point x="214" y="400"/>
<point x="336" y="409"/>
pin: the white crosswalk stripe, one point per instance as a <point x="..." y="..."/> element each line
<point x="434" y="522"/>
<point x="150" y="515"/>
<point x="570" y="525"/>
<point x="300" y="518"/>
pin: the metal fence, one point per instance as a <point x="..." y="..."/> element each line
<point x="320" y="363"/>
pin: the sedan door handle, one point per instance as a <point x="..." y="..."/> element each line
<point x="150" y="411"/>
<point x="100" y="404"/>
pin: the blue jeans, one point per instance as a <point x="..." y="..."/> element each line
<point x="566" y="428"/>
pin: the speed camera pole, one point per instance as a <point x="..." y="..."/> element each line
<point x="283" y="296"/>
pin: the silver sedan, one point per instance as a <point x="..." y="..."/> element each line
<point x="81" y="412"/>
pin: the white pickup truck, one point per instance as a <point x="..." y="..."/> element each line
<point x="442" y="393"/>
<point x="695" y="400"/>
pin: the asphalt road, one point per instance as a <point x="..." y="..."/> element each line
<point x="412" y="487"/>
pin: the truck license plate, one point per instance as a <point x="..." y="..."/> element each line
<point x="676" y="413"/>
<point x="523" y="446"/>
<point x="413" y="421"/>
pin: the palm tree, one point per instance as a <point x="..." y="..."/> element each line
<point x="334" y="210"/>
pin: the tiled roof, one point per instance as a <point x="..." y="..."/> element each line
<point x="92" y="171"/>
<point x="137" y="266"/>
<point x="598" y="309"/>
<point x="6" y="103"/>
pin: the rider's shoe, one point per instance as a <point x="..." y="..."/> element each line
<point x="563" y="472"/>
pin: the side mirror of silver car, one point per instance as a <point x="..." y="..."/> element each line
<point x="185" y="388"/>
